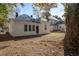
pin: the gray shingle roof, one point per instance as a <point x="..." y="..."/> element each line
<point x="26" y="18"/>
<point x="23" y="18"/>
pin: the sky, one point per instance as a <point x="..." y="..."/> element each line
<point x="27" y="9"/>
<point x="59" y="10"/>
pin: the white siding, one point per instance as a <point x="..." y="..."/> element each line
<point x="42" y="28"/>
<point x="17" y="28"/>
<point x="62" y="27"/>
<point x="11" y="28"/>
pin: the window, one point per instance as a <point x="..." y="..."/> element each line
<point x="25" y="27"/>
<point x="29" y="27"/>
<point x="33" y="27"/>
<point x="45" y="27"/>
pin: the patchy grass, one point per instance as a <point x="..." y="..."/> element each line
<point x="48" y="45"/>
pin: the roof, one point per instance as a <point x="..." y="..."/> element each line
<point x="56" y="21"/>
<point x="60" y="22"/>
<point x="25" y="18"/>
<point x="53" y="18"/>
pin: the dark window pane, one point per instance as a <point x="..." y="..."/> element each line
<point x="33" y="27"/>
<point x="29" y="27"/>
<point x="25" y="27"/>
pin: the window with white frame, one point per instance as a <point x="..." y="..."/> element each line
<point x="25" y="27"/>
<point x="33" y="27"/>
<point x="29" y="27"/>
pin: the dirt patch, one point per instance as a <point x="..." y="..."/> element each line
<point x="45" y="45"/>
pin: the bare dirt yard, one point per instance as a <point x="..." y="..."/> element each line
<point x="44" y="45"/>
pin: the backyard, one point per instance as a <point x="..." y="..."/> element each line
<point x="42" y="45"/>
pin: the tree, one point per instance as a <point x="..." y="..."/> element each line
<point x="3" y="14"/>
<point x="36" y="12"/>
<point x="5" y="10"/>
<point x="45" y="8"/>
<point x="71" y="41"/>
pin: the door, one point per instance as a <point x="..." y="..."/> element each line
<point x="37" y="29"/>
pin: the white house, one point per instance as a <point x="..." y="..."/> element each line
<point x="57" y="25"/>
<point x="53" y="24"/>
<point x="62" y="27"/>
<point x="25" y="25"/>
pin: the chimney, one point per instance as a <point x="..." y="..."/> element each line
<point x="31" y="16"/>
<point x="16" y="14"/>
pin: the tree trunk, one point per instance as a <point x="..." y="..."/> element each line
<point x="71" y="41"/>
